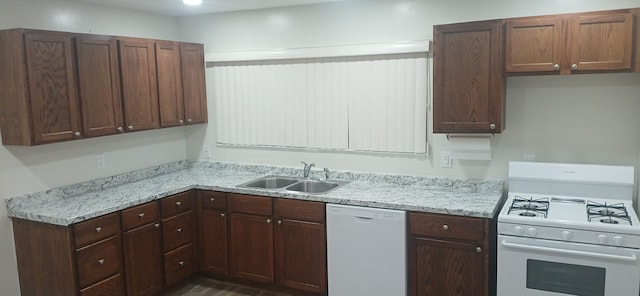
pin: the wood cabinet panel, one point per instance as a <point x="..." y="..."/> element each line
<point x="469" y="81"/>
<point x="250" y="204"/>
<point x="169" y="83"/>
<point x="140" y="215"/>
<point x="299" y="210"/>
<point x="55" y="111"/>
<point x="213" y="200"/>
<point x="139" y="84"/>
<point x="143" y="257"/>
<point x="447" y="268"/>
<point x="99" y="261"/>
<point x="251" y="247"/>
<point x="534" y="44"/>
<point x="301" y="252"/>
<point x="179" y="264"/>
<point x="213" y="242"/>
<point x="193" y="81"/>
<point x="99" y="85"/>
<point x="176" y="204"/>
<point x="445" y="226"/>
<point x="113" y="286"/>
<point x="177" y="231"/>
<point x="96" y="229"/>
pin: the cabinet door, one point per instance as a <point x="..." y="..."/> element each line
<point x="301" y="255"/>
<point x="195" y="97"/>
<point x="213" y="242"/>
<point x="143" y="260"/>
<point x="534" y="44"/>
<point x="139" y="85"/>
<point x="55" y="110"/>
<point x="447" y="268"/>
<point x="252" y="247"/>
<point x="99" y="85"/>
<point x="601" y="41"/>
<point x="469" y="81"/>
<point x="169" y="84"/>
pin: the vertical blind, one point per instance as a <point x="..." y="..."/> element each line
<point x="362" y="103"/>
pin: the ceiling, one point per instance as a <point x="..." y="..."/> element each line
<point x="177" y="8"/>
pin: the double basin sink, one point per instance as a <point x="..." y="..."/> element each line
<point x="303" y="185"/>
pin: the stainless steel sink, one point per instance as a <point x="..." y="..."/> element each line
<point x="270" y="182"/>
<point x="274" y="182"/>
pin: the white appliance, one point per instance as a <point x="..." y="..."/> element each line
<point x="366" y="251"/>
<point x="568" y="229"/>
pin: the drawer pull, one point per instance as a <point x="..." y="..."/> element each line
<point x="157" y="225"/>
<point x="181" y="263"/>
<point x="478" y="250"/>
<point x="179" y="230"/>
<point x="178" y="204"/>
<point x="279" y="222"/>
<point x="212" y="200"/>
<point x="141" y="215"/>
<point x="98" y="229"/>
<point x="222" y="215"/>
<point x="101" y="261"/>
<point x="268" y="221"/>
<point x="445" y="227"/>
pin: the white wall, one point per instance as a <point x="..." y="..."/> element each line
<point x="30" y="169"/>
<point x="579" y="118"/>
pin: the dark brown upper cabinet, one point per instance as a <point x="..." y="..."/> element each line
<point x="574" y="43"/>
<point x="193" y="82"/>
<point x="469" y="80"/>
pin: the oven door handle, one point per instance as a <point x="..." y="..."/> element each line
<point x="631" y="258"/>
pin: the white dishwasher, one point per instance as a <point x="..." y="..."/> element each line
<point x="366" y="251"/>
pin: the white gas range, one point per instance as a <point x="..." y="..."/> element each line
<point x="568" y="229"/>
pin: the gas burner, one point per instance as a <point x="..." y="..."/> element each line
<point x="608" y="213"/>
<point x="529" y="207"/>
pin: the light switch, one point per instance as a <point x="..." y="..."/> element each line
<point x="445" y="159"/>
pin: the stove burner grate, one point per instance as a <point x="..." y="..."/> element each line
<point x="529" y="207"/>
<point x="608" y="213"/>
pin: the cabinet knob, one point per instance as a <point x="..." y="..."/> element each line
<point x="141" y="215"/>
<point x="478" y="250"/>
<point x="189" y="120"/>
<point x="77" y="134"/>
<point x="492" y="126"/>
<point x="222" y="215"/>
<point x="181" y="121"/>
<point x="268" y="221"/>
<point x="181" y="263"/>
<point x="101" y="261"/>
<point x="98" y="229"/>
<point x="556" y="67"/>
<point x="179" y="230"/>
<point x="212" y="200"/>
<point x="279" y="222"/>
<point x="157" y="225"/>
<point x="445" y="227"/>
<point x="119" y="129"/>
<point x="178" y="204"/>
<point x="130" y="127"/>
<point x="574" y="67"/>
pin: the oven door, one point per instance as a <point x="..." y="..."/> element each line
<point x="532" y="267"/>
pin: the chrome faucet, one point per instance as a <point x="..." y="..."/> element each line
<point x="307" y="168"/>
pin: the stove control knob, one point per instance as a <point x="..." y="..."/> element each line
<point x="567" y="235"/>
<point x="618" y="240"/>
<point x="532" y="231"/>
<point x="518" y="230"/>
<point x="602" y="238"/>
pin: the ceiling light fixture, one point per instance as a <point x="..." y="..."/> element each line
<point x="192" y="2"/>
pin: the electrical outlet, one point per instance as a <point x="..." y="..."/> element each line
<point x="101" y="161"/>
<point x="206" y="151"/>
<point x="445" y="159"/>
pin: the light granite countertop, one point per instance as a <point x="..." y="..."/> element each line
<point x="75" y="203"/>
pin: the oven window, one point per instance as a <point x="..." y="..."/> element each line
<point x="565" y="278"/>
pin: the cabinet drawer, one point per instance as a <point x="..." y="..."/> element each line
<point x="179" y="264"/>
<point x="250" y="204"/>
<point x="456" y="227"/>
<point x="177" y="231"/>
<point x="99" y="261"/>
<point x="140" y="215"/>
<point x="96" y="229"/>
<point x="213" y="200"/>
<point x="299" y="210"/>
<point x="112" y="286"/>
<point x="176" y="204"/>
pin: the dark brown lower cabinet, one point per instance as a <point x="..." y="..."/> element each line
<point x="251" y="247"/>
<point x="143" y="257"/>
<point x="213" y="240"/>
<point x="301" y="255"/>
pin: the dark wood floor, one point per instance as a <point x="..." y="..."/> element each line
<point x="209" y="287"/>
